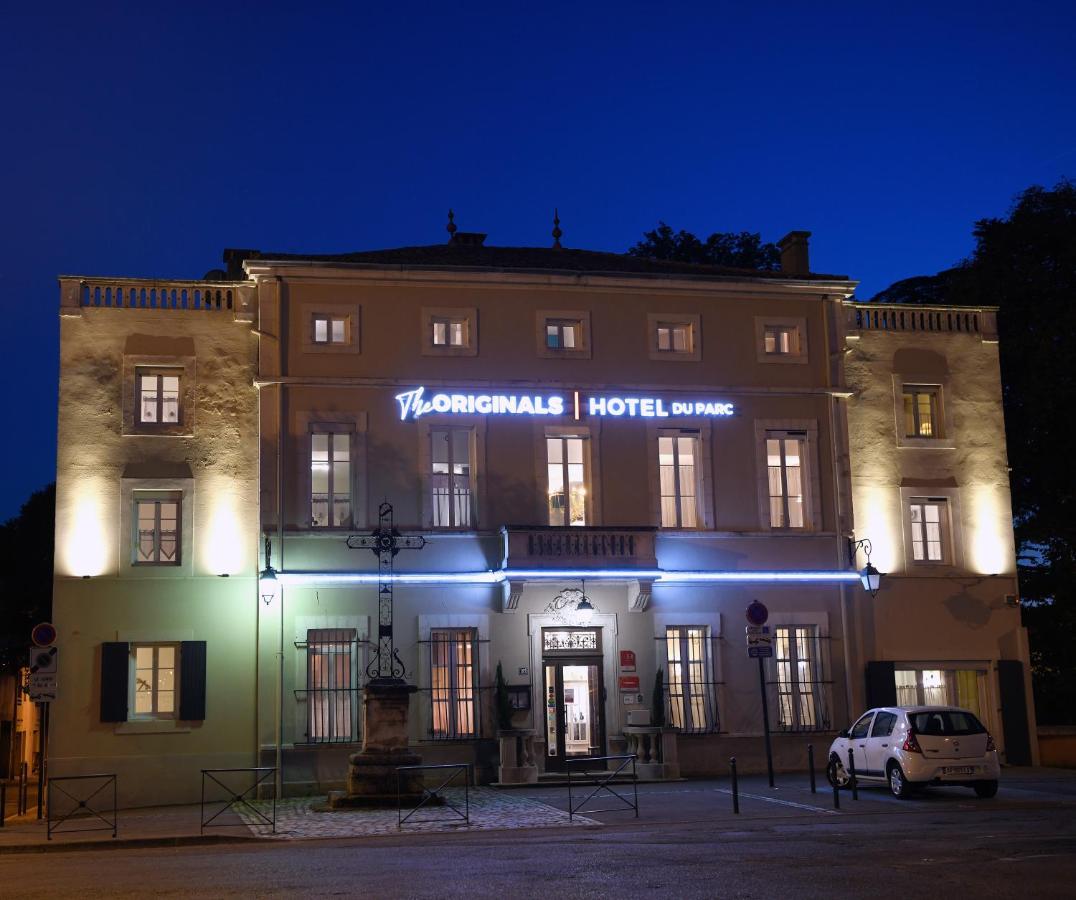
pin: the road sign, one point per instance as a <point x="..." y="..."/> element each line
<point x="41" y="685"/>
<point x="44" y="634"/>
<point x="759" y="641"/>
<point x="757" y="614"/>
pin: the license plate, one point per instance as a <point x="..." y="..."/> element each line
<point x="959" y="770"/>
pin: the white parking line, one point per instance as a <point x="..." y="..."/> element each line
<point x="817" y="809"/>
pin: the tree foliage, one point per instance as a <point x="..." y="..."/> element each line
<point x="1025" y="264"/>
<point x="26" y="544"/>
<point x="742" y="250"/>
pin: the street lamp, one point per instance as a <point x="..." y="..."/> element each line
<point x="268" y="583"/>
<point x="869" y="576"/>
<point x="584" y="611"/>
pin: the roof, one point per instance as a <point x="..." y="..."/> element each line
<point x="456" y="256"/>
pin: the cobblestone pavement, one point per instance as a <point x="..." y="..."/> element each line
<point x="305" y="817"/>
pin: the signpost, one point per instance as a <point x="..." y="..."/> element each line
<point x="760" y="646"/>
<point x="41" y="687"/>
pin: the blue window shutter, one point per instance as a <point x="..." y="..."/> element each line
<point x="115" y="670"/>
<point x="192" y="681"/>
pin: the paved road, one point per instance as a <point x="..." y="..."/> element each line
<point x="685" y="844"/>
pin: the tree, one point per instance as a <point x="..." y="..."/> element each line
<point x="26" y="545"/>
<point x="1025" y="264"/>
<point x="741" y="251"/>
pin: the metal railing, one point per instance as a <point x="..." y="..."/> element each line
<point x="601" y="782"/>
<point x="81" y="810"/>
<point x="238" y="799"/>
<point x="436" y="797"/>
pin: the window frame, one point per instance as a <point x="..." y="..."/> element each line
<point x="452" y="701"/>
<point x="945" y="530"/>
<point x="155" y="714"/>
<point x="331" y="429"/>
<point x="675" y="436"/>
<point x="690" y="321"/>
<point x="467" y="316"/>
<point x="472" y="511"/>
<point x="310" y="313"/>
<point x="766" y="429"/>
<point x="157" y="498"/>
<point x="818" y="687"/>
<point x="695" y="694"/>
<point x="158" y="373"/>
<point x="559" y="318"/>
<point x="330" y="319"/>
<point x="782" y="437"/>
<point x="800" y="353"/>
<point x="588" y="504"/>
<point x="332" y="639"/>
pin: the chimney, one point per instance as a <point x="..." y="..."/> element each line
<point x="793" y="247"/>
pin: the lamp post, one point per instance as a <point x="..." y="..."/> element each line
<point x="869" y="577"/>
<point x="269" y="590"/>
<point x="268" y="583"/>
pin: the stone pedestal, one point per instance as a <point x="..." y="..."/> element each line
<point x="518" y="765"/>
<point x="371" y="774"/>
<point x="655" y="751"/>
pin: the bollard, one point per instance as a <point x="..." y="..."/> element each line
<point x="3" y="802"/>
<point x="836" y="790"/>
<point x="24" y="782"/>
<point x="735" y="786"/>
<point x="852" y="772"/>
<point x="810" y="765"/>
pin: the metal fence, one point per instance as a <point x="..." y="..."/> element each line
<point x="239" y="796"/>
<point x="589" y="776"/>
<point x="80" y="798"/>
<point x="436" y="798"/>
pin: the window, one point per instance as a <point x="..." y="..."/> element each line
<point x="330" y="479"/>
<point x="883" y="724"/>
<point x="691" y="705"/>
<point x="330" y="329"/>
<point x="450" y="455"/>
<point x="449" y="332"/>
<point x="154" y="681"/>
<point x="674" y="338"/>
<point x="860" y="729"/>
<point x="784" y="466"/>
<point x="562" y="334"/>
<point x="929" y="518"/>
<point x="921" y="419"/>
<point x="799" y="688"/>
<point x="678" y="476"/>
<point x="453" y="682"/>
<point x="158" y="396"/>
<point x="330" y="685"/>
<point x="567" y="480"/>
<point x="157" y="523"/>
<point x="938" y="687"/>
<point x="781" y="340"/>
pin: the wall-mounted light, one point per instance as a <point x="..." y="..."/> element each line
<point x="268" y="583"/>
<point x="869" y="577"/>
<point x="584" y="611"/>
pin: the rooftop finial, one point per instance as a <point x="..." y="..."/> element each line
<point x="556" y="229"/>
<point x="451" y="226"/>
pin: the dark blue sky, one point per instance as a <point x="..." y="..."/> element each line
<point x="141" y="139"/>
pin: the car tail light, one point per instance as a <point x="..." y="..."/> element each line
<point x="990" y="745"/>
<point x="911" y="744"/>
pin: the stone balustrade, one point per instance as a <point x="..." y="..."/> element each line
<point x="866" y="317"/>
<point x="234" y="297"/>
<point x="655" y="749"/>
<point x="518" y="762"/>
<point x="579" y="547"/>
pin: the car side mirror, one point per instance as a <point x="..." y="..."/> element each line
<point x="842" y="734"/>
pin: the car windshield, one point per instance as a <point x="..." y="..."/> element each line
<point x="945" y="723"/>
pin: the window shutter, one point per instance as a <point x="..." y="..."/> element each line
<point x="115" y="669"/>
<point x="1014" y="712"/>
<point x="192" y="681"/>
<point x="881" y="684"/>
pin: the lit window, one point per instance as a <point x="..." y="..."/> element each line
<point x="781" y="340"/>
<point x="784" y="468"/>
<point x="158" y="396"/>
<point x="799" y="685"/>
<point x="154" y="681"/>
<point x="567" y="488"/>
<point x="562" y="334"/>
<point x="921" y="418"/>
<point x="929" y="518"/>
<point x="330" y="329"/>
<point x="450" y="453"/>
<point x="157" y="535"/>
<point x="691" y="693"/>
<point x="449" y="332"/>
<point x="938" y="687"/>
<point x="677" y="470"/>
<point x="674" y="338"/>
<point x="331" y="704"/>
<point x="330" y="479"/>
<point x="453" y="682"/>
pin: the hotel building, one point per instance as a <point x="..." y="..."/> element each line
<point x="668" y="441"/>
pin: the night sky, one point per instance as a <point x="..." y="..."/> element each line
<point x="142" y="139"/>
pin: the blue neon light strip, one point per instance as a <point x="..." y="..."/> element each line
<point x="502" y="575"/>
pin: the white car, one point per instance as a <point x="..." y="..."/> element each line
<point x="913" y="746"/>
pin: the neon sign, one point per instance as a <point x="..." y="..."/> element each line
<point x="416" y="403"/>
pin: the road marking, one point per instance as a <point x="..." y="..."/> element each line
<point x="809" y="808"/>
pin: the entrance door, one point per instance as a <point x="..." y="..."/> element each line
<point x="574" y="700"/>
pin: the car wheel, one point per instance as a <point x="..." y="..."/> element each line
<point x="985" y="789"/>
<point x="898" y="784"/>
<point x="836" y="773"/>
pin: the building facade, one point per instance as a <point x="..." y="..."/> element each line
<point x="665" y="442"/>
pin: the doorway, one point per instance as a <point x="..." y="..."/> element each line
<point x="573" y="696"/>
